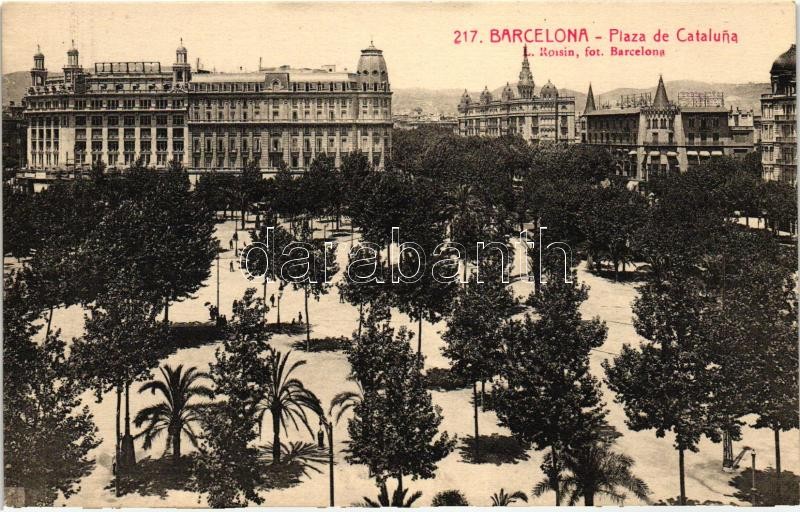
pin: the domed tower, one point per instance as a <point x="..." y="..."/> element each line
<point x="371" y="69"/>
<point x="181" y="70"/>
<point x="784" y="72"/>
<point x="38" y="72"/>
<point x="486" y="96"/>
<point x="73" y="69"/>
<point x="525" y="85"/>
<point x="465" y="102"/>
<point x="508" y="93"/>
<point x="549" y="91"/>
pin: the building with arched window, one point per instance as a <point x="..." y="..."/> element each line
<point x="119" y="112"/>
<point x="778" y="120"/>
<point x="547" y="116"/>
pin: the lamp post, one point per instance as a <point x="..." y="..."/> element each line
<point x="328" y="424"/>
<point x="217" y="279"/>
<point x="753" y="478"/>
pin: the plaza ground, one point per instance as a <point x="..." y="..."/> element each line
<point x="326" y="374"/>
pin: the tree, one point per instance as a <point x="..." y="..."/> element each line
<point x="503" y="499"/>
<point x="398" y="498"/>
<point x="121" y="344"/>
<point x="549" y="397"/>
<point x="227" y="467"/>
<point x="595" y="469"/>
<point x="269" y="265"/>
<point x="286" y="398"/>
<point x="317" y="265"/>
<point x="609" y="217"/>
<point x="474" y="334"/>
<point x="364" y="281"/>
<point x="47" y="434"/>
<point x="173" y="415"/>
<point x="394" y="427"/>
<point x="666" y="384"/>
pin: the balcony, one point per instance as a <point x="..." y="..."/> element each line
<point x="786" y="139"/>
<point x="785" y="118"/>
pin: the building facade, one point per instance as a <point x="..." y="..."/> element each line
<point x="15" y="134"/>
<point x="118" y="112"/>
<point x="778" y="121"/>
<point x="649" y="135"/>
<point x="546" y="116"/>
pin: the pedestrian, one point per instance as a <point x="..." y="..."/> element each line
<point x="272" y="300"/>
<point x="231" y="265"/>
<point x="341" y="296"/>
<point x="299" y="317"/>
<point x="230" y="244"/>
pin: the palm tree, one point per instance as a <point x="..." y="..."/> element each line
<point x="286" y="398"/>
<point x="398" y="498"/>
<point x="502" y="499"/>
<point x="174" y="414"/>
<point x="596" y="469"/>
<point x="346" y="400"/>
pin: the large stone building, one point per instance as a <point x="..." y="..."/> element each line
<point x="546" y="116"/>
<point x="778" y="121"/>
<point x="117" y="112"/>
<point x="648" y="135"/>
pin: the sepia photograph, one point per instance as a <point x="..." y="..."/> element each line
<point x="399" y="254"/>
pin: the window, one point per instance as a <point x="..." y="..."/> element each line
<point x="177" y="133"/>
<point x="129" y="121"/>
<point x="144" y="103"/>
<point x="97" y="120"/>
<point x="113" y="104"/>
<point x="161" y="120"/>
<point x="80" y="120"/>
<point x="161" y="104"/>
<point x="113" y="121"/>
<point x="129" y="104"/>
<point x="177" y="120"/>
<point x="144" y="120"/>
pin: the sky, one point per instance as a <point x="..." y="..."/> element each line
<point x="417" y="38"/>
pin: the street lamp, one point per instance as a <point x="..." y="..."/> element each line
<point x="753" y="480"/>
<point x="328" y="424"/>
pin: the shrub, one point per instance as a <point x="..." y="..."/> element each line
<point x="449" y="498"/>
<point x="442" y="379"/>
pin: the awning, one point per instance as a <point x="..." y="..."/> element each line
<point x="716" y="153"/>
<point x="691" y="153"/>
<point x="632" y="152"/>
<point x="655" y="153"/>
<point x="705" y="153"/>
<point x="672" y="153"/>
<point x="664" y="159"/>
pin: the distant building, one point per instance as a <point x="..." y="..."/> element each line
<point x="15" y="134"/>
<point x="657" y="135"/>
<point x="778" y="121"/>
<point x="546" y="116"/>
<point x="118" y="112"/>
<point x="417" y="118"/>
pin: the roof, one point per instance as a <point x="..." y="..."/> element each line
<point x="786" y="62"/>
<point x="295" y="75"/>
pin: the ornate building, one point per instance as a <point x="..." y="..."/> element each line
<point x="548" y="116"/>
<point x="120" y="111"/>
<point x="778" y="121"/>
<point x="649" y="135"/>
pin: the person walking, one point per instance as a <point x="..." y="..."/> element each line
<point x="300" y="317"/>
<point x="230" y="244"/>
<point x="231" y="265"/>
<point x="272" y="300"/>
